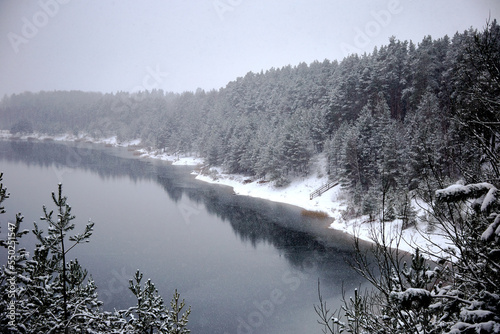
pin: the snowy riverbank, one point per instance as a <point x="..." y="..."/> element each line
<point x="296" y="193"/>
<point x="331" y="203"/>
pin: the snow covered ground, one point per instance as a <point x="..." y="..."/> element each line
<point x="296" y="193"/>
<point x="333" y="204"/>
<point x="174" y="159"/>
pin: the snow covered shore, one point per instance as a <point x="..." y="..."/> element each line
<point x="296" y="193"/>
<point x="331" y="203"/>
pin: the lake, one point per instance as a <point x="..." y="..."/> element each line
<point x="245" y="265"/>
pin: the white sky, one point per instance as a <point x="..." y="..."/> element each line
<point x="179" y="45"/>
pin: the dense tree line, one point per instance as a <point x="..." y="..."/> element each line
<point x="394" y="118"/>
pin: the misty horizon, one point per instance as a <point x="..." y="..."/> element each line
<point x="113" y="47"/>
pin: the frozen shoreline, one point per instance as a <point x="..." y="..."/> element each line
<point x="296" y="193"/>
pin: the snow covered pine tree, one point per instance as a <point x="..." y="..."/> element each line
<point x="48" y="293"/>
<point x="474" y="295"/>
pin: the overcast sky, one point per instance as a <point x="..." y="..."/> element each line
<point x="180" y="45"/>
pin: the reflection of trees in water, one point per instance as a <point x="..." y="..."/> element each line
<point x="171" y="186"/>
<point x="253" y="220"/>
<point x="21" y="148"/>
<point x="299" y="248"/>
<point x="88" y="157"/>
<point x="260" y="221"/>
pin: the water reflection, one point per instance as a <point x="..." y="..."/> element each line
<point x="311" y="250"/>
<point x="253" y="220"/>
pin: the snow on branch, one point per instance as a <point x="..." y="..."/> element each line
<point x="492" y="230"/>
<point x="487" y="199"/>
<point x="487" y="193"/>
<point x="411" y="298"/>
<point x="490" y="200"/>
<point x="458" y="192"/>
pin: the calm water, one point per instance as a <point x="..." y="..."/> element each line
<point x="244" y="265"/>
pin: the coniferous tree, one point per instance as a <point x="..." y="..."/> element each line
<point x="477" y="91"/>
<point x="53" y="294"/>
<point x="64" y="300"/>
<point x="447" y="77"/>
<point x="428" y="145"/>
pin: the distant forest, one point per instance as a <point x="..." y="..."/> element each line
<point x="406" y="117"/>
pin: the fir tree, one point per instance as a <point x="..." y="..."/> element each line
<point x="54" y="294"/>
